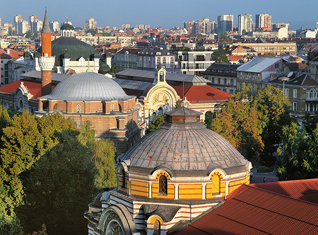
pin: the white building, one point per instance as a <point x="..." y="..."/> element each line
<point x="245" y="22"/>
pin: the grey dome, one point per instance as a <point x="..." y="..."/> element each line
<point x="186" y="147"/>
<point x="87" y="87"/>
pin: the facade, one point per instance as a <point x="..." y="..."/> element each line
<point x="194" y="62"/>
<point x="312" y="58"/>
<point x="225" y="23"/>
<point x="277" y="48"/>
<point x="302" y="93"/>
<point x="263" y="21"/>
<point x="222" y="76"/>
<point x="72" y="54"/>
<point x="54" y="26"/>
<point x="257" y="72"/>
<point x="245" y="23"/>
<point x="175" y="173"/>
<point x="158" y="92"/>
<point x="127" y="58"/>
<point x="98" y="99"/>
<point x="149" y="58"/>
<point x="7" y="56"/>
<point x="90" y="24"/>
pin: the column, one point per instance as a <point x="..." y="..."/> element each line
<point x="150" y="190"/>
<point x="203" y="190"/>
<point x="129" y="187"/>
<point x="176" y="191"/>
<point x="227" y="188"/>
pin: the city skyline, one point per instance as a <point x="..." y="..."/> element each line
<point x="166" y="14"/>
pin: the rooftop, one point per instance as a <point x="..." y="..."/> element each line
<point x="258" y="64"/>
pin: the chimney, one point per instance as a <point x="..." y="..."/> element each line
<point x="8" y="51"/>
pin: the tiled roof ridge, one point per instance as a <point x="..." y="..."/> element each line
<point x="246" y="187"/>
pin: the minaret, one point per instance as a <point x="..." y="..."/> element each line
<point x="46" y="60"/>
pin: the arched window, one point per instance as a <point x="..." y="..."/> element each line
<point x="119" y="108"/>
<point x="163" y="187"/>
<point x="123" y="173"/>
<point x="117" y="124"/>
<point x="21" y="104"/>
<point x="78" y="108"/>
<point x="215" y="184"/>
<point x="156" y="227"/>
<point x="112" y="107"/>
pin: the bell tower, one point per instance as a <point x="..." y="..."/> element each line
<point x="46" y="60"/>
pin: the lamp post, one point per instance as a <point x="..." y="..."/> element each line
<point x="284" y="79"/>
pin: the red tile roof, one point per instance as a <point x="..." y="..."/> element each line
<point x="12" y="54"/>
<point x="250" y="210"/>
<point x="201" y="93"/>
<point x="34" y="87"/>
<point x="306" y="190"/>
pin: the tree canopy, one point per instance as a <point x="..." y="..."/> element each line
<point x="274" y="107"/>
<point x="219" y="56"/>
<point x="239" y="122"/>
<point x="156" y="123"/>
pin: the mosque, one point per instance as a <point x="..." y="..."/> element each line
<point x="169" y="177"/>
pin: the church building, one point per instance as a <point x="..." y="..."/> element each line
<point x="170" y="176"/>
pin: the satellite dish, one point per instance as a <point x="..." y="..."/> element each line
<point x="290" y="74"/>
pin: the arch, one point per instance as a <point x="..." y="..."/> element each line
<point x="215" y="184"/>
<point x="163" y="185"/>
<point x="55" y="107"/>
<point x="119" y="108"/>
<point x="117" y="122"/>
<point x="78" y="108"/>
<point x="156" y="227"/>
<point x="104" y="107"/>
<point x="119" y="214"/>
<point x="21" y="104"/>
<point x="112" y="107"/>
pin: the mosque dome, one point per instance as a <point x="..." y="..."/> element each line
<point x="87" y="87"/>
<point x="103" y="68"/>
<point x="74" y="48"/>
<point x="67" y="27"/>
<point x="184" y="146"/>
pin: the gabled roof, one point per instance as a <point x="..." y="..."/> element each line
<point x="221" y="69"/>
<point x="302" y="80"/>
<point x="258" y="64"/>
<point x="12" y="54"/>
<point x="34" y="87"/>
<point x="306" y="190"/>
<point x="201" y="93"/>
<point x="251" y="210"/>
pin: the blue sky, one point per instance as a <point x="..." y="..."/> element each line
<point x="165" y="13"/>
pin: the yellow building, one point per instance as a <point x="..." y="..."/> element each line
<point x="171" y="175"/>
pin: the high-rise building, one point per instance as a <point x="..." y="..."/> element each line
<point x="90" y="24"/>
<point x="245" y="22"/>
<point x="188" y="26"/>
<point x="125" y="26"/>
<point x="225" y="23"/>
<point x="263" y="21"/>
<point x="54" y="26"/>
<point x="32" y="20"/>
<point x="17" y="19"/>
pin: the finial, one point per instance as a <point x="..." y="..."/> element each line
<point x="88" y="69"/>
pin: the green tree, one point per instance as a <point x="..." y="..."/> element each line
<point x="156" y="123"/>
<point x="114" y="69"/>
<point x="222" y="35"/>
<point x="239" y="123"/>
<point x="35" y="35"/>
<point x="145" y="37"/>
<point x="59" y="187"/>
<point x="21" y="146"/>
<point x="200" y="36"/>
<point x="310" y="122"/>
<point x="10" y="31"/>
<point x="178" y="104"/>
<point x="219" y="56"/>
<point x="28" y="34"/>
<point x="274" y="106"/>
<point x="104" y="159"/>
<point x="243" y="32"/>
